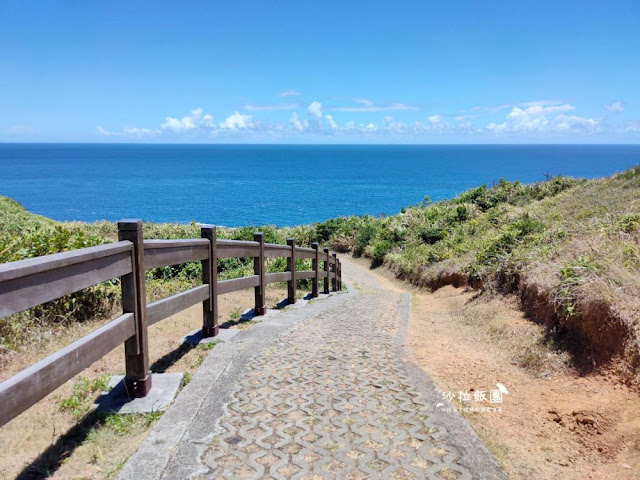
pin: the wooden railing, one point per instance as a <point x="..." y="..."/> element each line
<point x="31" y="282"/>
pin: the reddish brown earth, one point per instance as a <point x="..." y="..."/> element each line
<point x="554" y="423"/>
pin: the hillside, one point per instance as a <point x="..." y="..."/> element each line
<point x="568" y="248"/>
<point x="25" y="235"/>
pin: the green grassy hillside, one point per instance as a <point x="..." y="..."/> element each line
<point x="569" y="248"/>
<point x="24" y="235"/>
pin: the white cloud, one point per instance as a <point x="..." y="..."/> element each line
<point x="463" y="118"/>
<point x="315" y="109"/>
<point x="188" y="122"/>
<point x="139" y="132"/>
<point x="273" y="106"/>
<point x="296" y="123"/>
<point x="364" y="101"/>
<point x="128" y="132"/>
<point x="315" y="116"/>
<point x="615" y="107"/>
<point x="497" y="108"/>
<point x="437" y="123"/>
<point x="525" y="121"/>
<point x="392" y="126"/>
<point x="573" y="122"/>
<point x="538" y="119"/>
<point x="289" y="93"/>
<point x="540" y="103"/>
<point x="207" y="121"/>
<point x="331" y="122"/>
<point x="366" y="105"/>
<point x="237" y="121"/>
<point x="632" y="126"/>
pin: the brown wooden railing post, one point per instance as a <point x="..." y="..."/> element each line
<point x="339" y="276"/>
<point x="326" y="269"/>
<point x="210" y="277"/>
<point x="334" y="280"/>
<point x="134" y="300"/>
<point x="291" y="267"/>
<point x="315" y="265"/>
<point x="258" y="269"/>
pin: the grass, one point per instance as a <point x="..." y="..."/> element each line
<point x="71" y="440"/>
<point x="24" y="235"/>
<point x="78" y="403"/>
<point x="202" y="350"/>
<point x="569" y="248"/>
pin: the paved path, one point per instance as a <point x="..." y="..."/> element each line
<point x="322" y="391"/>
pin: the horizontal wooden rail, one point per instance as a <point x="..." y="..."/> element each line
<point x="237" y="248"/>
<point x="278" y="277"/>
<point x="306" y="274"/>
<point x="35" y="382"/>
<point x="161" y="253"/>
<point x="27" y="283"/>
<point x="272" y="250"/>
<point x="161" y="309"/>
<point x="305" y="253"/>
<point x="235" y="284"/>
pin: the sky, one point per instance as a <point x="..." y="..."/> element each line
<point x="320" y="72"/>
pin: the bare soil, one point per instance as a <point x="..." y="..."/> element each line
<point x="554" y="423"/>
<point x="46" y="441"/>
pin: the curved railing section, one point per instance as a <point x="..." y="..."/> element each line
<point x="28" y="283"/>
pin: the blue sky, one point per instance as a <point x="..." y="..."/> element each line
<point x="320" y="72"/>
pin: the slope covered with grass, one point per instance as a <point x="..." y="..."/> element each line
<point x="570" y="249"/>
<point x="25" y="235"/>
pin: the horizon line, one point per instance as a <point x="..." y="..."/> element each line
<point x="322" y="144"/>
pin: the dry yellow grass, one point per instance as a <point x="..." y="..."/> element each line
<point x="49" y="441"/>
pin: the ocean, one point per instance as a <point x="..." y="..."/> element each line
<point x="235" y="185"/>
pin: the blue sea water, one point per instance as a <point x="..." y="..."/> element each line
<point x="237" y="185"/>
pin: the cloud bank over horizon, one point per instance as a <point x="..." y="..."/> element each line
<point x="535" y="121"/>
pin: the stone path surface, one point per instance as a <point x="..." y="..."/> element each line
<point x="334" y="395"/>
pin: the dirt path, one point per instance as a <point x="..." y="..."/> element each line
<point x="554" y="423"/>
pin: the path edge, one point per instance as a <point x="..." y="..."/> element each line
<point x="474" y="454"/>
<point x="220" y="370"/>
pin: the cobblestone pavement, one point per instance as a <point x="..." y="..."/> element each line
<point x="326" y="390"/>
<point x="332" y="398"/>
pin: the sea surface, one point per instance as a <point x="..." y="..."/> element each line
<point x="236" y="185"/>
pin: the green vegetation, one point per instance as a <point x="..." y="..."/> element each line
<point x="569" y="248"/>
<point x="78" y="403"/>
<point x="24" y="235"/>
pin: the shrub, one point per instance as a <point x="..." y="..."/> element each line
<point x="430" y="234"/>
<point x="380" y="250"/>
<point x="364" y="235"/>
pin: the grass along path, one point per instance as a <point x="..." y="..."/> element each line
<point x="60" y="437"/>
